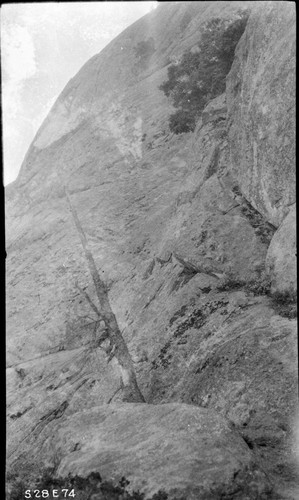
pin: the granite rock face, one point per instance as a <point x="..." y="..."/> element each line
<point x="281" y="256"/>
<point x="261" y="110"/>
<point x="155" y="447"/>
<point x="170" y="219"/>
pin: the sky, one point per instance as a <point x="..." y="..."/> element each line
<point x="43" y="45"/>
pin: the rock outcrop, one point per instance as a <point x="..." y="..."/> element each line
<point x="181" y="229"/>
<point x="156" y="448"/>
<point x="261" y="111"/>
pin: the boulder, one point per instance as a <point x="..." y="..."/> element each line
<point x="176" y="447"/>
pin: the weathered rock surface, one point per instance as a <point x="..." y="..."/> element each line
<point x="166" y="217"/>
<point x="281" y="256"/>
<point x="261" y="110"/>
<point x="155" y="447"/>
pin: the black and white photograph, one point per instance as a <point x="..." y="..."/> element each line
<point x="150" y="250"/>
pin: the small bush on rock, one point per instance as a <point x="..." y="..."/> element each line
<point x="258" y="285"/>
<point x="229" y="282"/>
<point x="200" y="75"/>
<point x="283" y="303"/>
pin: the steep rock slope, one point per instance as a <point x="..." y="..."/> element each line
<point x="166" y="217"/>
<point x="261" y="111"/>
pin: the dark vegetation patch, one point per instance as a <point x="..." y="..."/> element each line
<point x="200" y="76"/>
<point x="91" y="487"/>
<point x="263" y="229"/>
<point x="195" y="319"/>
<point x="249" y="483"/>
<point x="164" y="358"/>
<point x="285" y="304"/>
<point x="259" y="284"/>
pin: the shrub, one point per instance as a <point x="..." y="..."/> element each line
<point x="200" y="76"/>
<point x="258" y="284"/>
<point x="229" y="282"/>
<point x="284" y="303"/>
